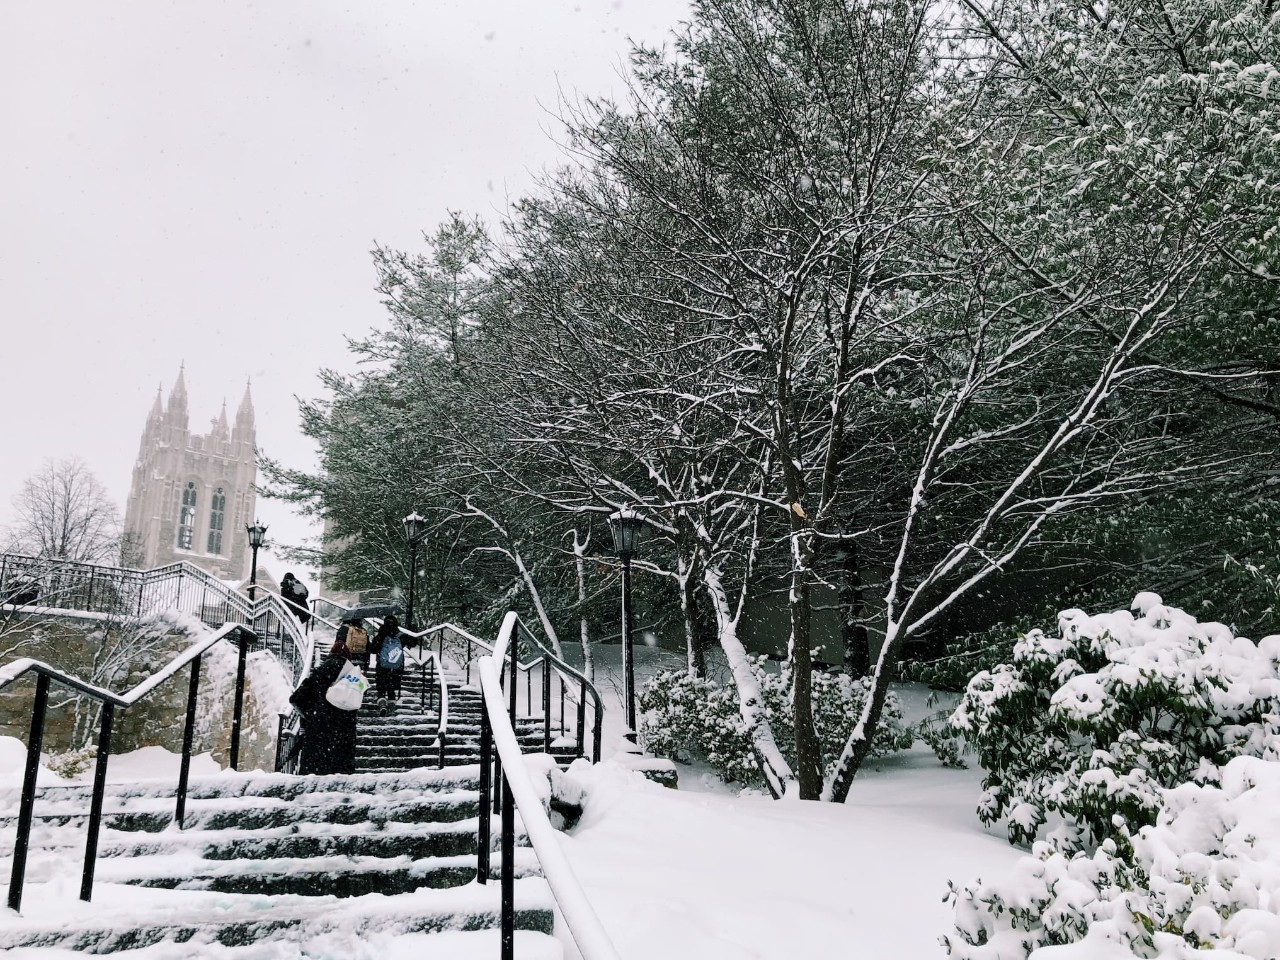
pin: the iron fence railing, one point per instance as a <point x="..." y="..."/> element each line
<point x="504" y="786"/>
<point x="110" y="701"/>
<point x="38" y="583"/>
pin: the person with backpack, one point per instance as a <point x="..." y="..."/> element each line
<point x="328" y="728"/>
<point x="388" y="648"/>
<point x="295" y="597"/>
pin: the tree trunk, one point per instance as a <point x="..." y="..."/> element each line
<point x="584" y="629"/>
<point x="859" y="745"/>
<point x="808" y="753"/>
<point x="695" y="656"/>
<point x="777" y="773"/>
<point x="853" y="609"/>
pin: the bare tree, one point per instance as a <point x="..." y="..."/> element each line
<point x="64" y="513"/>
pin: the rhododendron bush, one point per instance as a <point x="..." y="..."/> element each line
<point x="1148" y="742"/>
<point x="1090" y="724"/>
<point x="1202" y="882"/>
<point x="686" y="717"/>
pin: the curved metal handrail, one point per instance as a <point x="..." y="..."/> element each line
<point x="110" y="702"/>
<point x="584" y="925"/>
<point x="290" y="728"/>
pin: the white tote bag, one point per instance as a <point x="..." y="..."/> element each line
<point x="347" y="692"/>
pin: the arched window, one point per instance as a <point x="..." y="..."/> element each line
<point x="217" y="512"/>
<point x="187" y="518"/>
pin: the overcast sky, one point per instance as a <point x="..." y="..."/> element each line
<point x="202" y="183"/>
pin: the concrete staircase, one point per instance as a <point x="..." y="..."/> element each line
<point x="343" y="862"/>
<point x="406" y="739"/>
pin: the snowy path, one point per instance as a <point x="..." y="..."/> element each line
<point x="717" y="877"/>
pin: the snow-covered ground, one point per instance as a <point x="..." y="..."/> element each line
<point x="703" y="872"/>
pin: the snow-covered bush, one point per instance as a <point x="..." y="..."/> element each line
<point x="71" y="763"/>
<point x="684" y="717"/>
<point x="1205" y="876"/>
<point x="1089" y="725"/>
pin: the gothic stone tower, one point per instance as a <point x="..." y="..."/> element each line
<point x="193" y="494"/>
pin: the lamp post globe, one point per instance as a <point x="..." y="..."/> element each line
<point x="415" y="528"/>
<point x="625" y="525"/>
<point x="257" y="532"/>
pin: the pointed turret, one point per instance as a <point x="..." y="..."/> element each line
<point x="220" y="430"/>
<point x="175" y="412"/>
<point x="157" y="411"/>
<point x="244" y="430"/>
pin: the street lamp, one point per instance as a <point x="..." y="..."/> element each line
<point x="625" y="526"/>
<point x="415" y="528"/>
<point x="257" y="537"/>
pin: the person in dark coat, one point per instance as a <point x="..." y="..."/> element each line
<point x="329" y="733"/>
<point x="295" y="595"/>
<point x="387" y="648"/>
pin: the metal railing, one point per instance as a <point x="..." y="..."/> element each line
<point x="110" y="702"/>
<point x="431" y="676"/>
<point x="571" y="686"/>
<point x="37" y="583"/>
<point x="497" y="734"/>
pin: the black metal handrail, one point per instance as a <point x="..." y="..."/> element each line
<point x="290" y="731"/>
<point x="110" y="701"/>
<point x="497" y="734"/>
<point x="41" y="583"/>
<point x="582" y="688"/>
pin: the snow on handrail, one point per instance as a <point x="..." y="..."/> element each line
<point x="584" y="925"/>
<point x="12" y="671"/>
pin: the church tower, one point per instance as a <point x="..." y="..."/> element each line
<point x="192" y="494"/>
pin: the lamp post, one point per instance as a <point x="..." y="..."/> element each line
<point x="415" y="528"/>
<point x="625" y="526"/>
<point x="257" y="537"/>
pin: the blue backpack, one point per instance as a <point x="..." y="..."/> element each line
<point x="391" y="656"/>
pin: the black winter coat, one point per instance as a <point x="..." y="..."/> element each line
<point x="328" y="734"/>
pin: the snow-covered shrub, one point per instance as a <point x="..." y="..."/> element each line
<point x="1205" y="876"/>
<point x="684" y="717"/>
<point x="938" y="735"/>
<point x="1090" y="724"/>
<point x="71" y="763"/>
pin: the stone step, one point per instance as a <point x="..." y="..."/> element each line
<point x="337" y="876"/>
<point x="278" y="786"/>
<point x="215" y="815"/>
<point x="231" y="920"/>
<point x="370" y="839"/>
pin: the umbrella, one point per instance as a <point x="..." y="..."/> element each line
<point x="373" y="610"/>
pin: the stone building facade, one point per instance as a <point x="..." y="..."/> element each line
<point x="192" y="494"/>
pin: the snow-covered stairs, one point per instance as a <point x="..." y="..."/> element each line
<point x="264" y="856"/>
<point x="406" y="739"/>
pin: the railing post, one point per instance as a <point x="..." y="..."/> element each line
<point x="27" y="807"/>
<point x="508" y="872"/>
<point x="188" y="734"/>
<point x="546" y="705"/>
<point x="88" y="604"/>
<point x="280" y="742"/>
<point x="561" y="679"/>
<point x="441" y="737"/>
<point x="595" y="736"/>
<point x="483" y="836"/>
<point x="238" y="709"/>
<point x="95" y="804"/>
<point x="528" y="690"/>
<point x="422" y="691"/>
<point x="582" y="719"/>
<point x="515" y="681"/>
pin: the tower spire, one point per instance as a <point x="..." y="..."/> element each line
<point x="176" y="410"/>
<point x="244" y="429"/>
